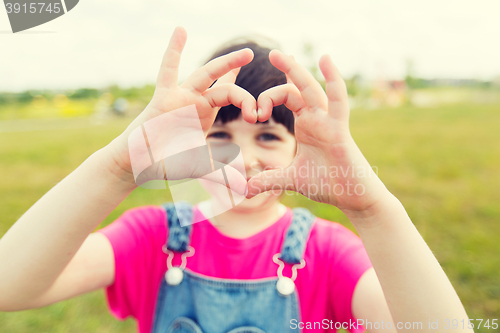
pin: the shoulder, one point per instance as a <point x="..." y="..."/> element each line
<point x="339" y="259"/>
<point x="144" y="212"/>
<point x="144" y="215"/>
<point x="137" y="237"/>
<point x="328" y="233"/>
<point x="333" y="242"/>
<point x="143" y="220"/>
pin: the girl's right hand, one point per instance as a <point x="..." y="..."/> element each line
<point x="196" y="90"/>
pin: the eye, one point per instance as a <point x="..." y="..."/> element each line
<point x="268" y="137"/>
<point x="219" y="135"/>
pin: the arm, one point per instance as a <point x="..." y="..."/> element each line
<point x="369" y="304"/>
<point x="91" y="268"/>
<point x="40" y="245"/>
<point x="415" y="286"/>
<point x="413" y="283"/>
<point x="37" y="248"/>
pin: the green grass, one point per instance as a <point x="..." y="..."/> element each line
<point x="442" y="163"/>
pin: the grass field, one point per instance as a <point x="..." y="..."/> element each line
<point x="442" y="163"/>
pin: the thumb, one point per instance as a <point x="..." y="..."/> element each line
<point x="218" y="172"/>
<point x="225" y="175"/>
<point x="271" y="180"/>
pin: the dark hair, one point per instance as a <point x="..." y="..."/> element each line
<point x="256" y="77"/>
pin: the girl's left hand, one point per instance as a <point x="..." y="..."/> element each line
<point x="328" y="167"/>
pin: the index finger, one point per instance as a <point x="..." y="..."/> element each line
<point x="203" y="77"/>
<point x="311" y="91"/>
<point x="228" y="78"/>
<point x="169" y="69"/>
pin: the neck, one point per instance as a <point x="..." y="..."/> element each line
<point x="244" y="222"/>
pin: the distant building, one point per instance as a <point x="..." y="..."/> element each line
<point x="392" y="93"/>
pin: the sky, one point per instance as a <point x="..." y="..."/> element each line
<point x="122" y="42"/>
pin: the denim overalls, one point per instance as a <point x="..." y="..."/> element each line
<point x="193" y="303"/>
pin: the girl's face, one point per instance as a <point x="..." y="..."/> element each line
<point x="263" y="146"/>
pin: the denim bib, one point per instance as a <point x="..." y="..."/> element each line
<point x="189" y="302"/>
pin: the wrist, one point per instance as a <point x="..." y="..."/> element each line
<point x="380" y="212"/>
<point x="113" y="169"/>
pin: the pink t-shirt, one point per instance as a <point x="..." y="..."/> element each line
<point x="335" y="260"/>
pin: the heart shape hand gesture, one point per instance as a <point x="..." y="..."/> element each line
<point x="328" y="167"/>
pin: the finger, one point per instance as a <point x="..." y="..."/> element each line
<point x="235" y="180"/>
<point x="310" y="89"/>
<point x="271" y="180"/>
<point x="204" y="76"/>
<point x="229" y="93"/>
<point x="336" y="91"/>
<point x="287" y="94"/>
<point x="169" y="69"/>
<point x="229" y="77"/>
<point x="288" y="80"/>
<point x="197" y="163"/>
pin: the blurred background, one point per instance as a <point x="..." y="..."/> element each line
<point x="424" y="87"/>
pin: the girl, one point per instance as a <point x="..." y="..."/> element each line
<point x="259" y="267"/>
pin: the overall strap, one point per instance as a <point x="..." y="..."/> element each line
<point x="179" y="221"/>
<point x="296" y="236"/>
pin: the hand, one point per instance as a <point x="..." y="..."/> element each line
<point x="195" y="90"/>
<point x="328" y="167"/>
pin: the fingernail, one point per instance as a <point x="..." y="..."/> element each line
<point x="259" y="113"/>
<point x="255" y="114"/>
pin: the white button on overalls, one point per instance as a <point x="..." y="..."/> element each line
<point x="286" y="285"/>
<point x="174" y="275"/>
